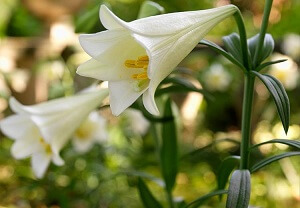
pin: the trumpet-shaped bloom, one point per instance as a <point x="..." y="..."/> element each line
<point x="58" y="119"/>
<point x="91" y="131"/>
<point x="29" y="142"/>
<point x="42" y="130"/>
<point x="136" y="56"/>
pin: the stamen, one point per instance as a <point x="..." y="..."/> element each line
<point x="143" y="58"/>
<point x="140" y="76"/>
<point x="131" y="64"/>
<point x="46" y="146"/>
<point x="141" y="63"/>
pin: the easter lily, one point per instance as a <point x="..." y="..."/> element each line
<point x="29" y="142"/>
<point x="91" y="131"/>
<point x="58" y="119"/>
<point x="136" y="56"/>
<point x="43" y="129"/>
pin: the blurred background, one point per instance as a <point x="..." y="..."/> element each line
<point x="39" y="54"/>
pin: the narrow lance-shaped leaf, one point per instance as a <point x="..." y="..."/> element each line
<point x="269" y="160"/>
<point x="147" y="198"/>
<point x="144" y="175"/>
<point x="87" y="21"/>
<point x="264" y="65"/>
<point x="201" y="199"/>
<point x="226" y="168"/>
<point x="150" y="8"/>
<point x="239" y="189"/>
<point x="180" y="85"/>
<point x="292" y="143"/>
<point x="220" y="50"/>
<point x="168" y="151"/>
<point x="280" y="97"/>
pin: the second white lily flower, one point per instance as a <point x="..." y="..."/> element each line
<point x="58" y="119"/>
<point x="136" y="56"/>
<point x="42" y="130"/>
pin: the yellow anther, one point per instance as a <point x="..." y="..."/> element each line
<point x="141" y="63"/>
<point x="46" y="146"/>
<point x="48" y="149"/>
<point x="140" y="76"/>
<point x="130" y="64"/>
<point x="143" y="58"/>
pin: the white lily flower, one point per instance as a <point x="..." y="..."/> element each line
<point x="29" y="142"/>
<point x="136" y="56"/>
<point x="91" y="131"/>
<point x="58" y="119"/>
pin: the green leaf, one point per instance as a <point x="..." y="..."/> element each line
<point x="201" y="199"/>
<point x="269" y="160"/>
<point x="233" y="45"/>
<point x="264" y="65"/>
<point x="267" y="47"/>
<point x="155" y="119"/>
<point x="150" y="8"/>
<point x="147" y="198"/>
<point x="86" y="22"/>
<point x="180" y="85"/>
<point x="180" y="203"/>
<point x="280" y="97"/>
<point x="198" y="151"/>
<point x="144" y="175"/>
<point x="239" y="189"/>
<point x="292" y="143"/>
<point x="168" y="151"/>
<point x="220" y="50"/>
<point x="226" y="168"/>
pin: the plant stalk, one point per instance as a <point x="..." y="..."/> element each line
<point x="262" y="33"/>
<point x="246" y="120"/>
<point x="170" y="199"/>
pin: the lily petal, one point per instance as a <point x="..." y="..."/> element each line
<point x="105" y="65"/>
<point x="96" y="44"/>
<point x="149" y="103"/>
<point x="82" y="145"/>
<point x="57" y="160"/>
<point x="40" y="162"/>
<point x="122" y="95"/>
<point x="164" y="24"/>
<point x="58" y="119"/>
<point x="19" y="127"/>
<point x="108" y="20"/>
<point x="23" y="148"/>
<point x="57" y="105"/>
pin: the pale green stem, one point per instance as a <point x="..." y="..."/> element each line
<point x="246" y="120"/>
<point x="262" y="33"/>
